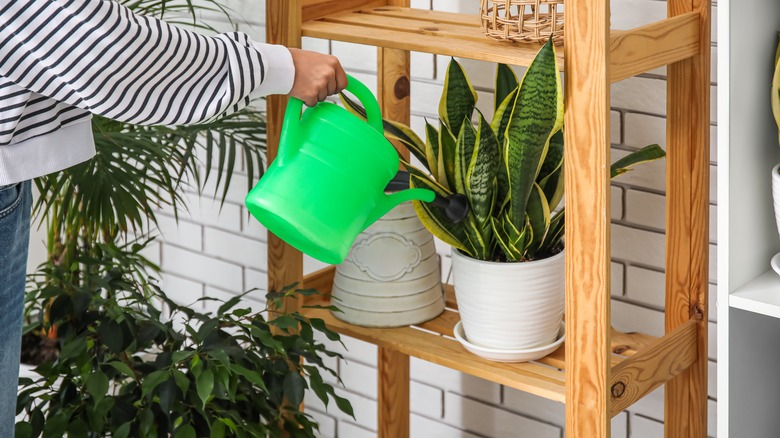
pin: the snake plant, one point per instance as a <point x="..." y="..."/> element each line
<point x="510" y="167"/>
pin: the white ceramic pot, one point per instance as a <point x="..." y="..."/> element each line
<point x="509" y="306"/>
<point x="392" y="275"/>
<point x="776" y="193"/>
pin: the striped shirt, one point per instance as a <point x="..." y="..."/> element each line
<point x="63" y="60"/>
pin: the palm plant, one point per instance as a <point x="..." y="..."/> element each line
<point x="122" y="369"/>
<point x="510" y="168"/>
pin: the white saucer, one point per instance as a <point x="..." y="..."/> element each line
<point x="776" y="263"/>
<point x="498" y="355"/>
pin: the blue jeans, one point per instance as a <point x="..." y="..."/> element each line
<point x="15" y="204"/>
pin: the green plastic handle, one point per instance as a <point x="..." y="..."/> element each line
<point x="290" y="139"/>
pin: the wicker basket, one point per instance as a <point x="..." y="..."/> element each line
<point x="523" y="20"/>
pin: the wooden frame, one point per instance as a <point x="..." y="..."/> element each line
<point x="601" y="372"/>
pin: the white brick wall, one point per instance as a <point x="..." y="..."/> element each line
<point x="215" y="252"/>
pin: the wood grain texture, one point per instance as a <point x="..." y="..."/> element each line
<point x="587" y="107"/>
<point x="393" y="395"/>
<point x="393" y="78"/>
<point x="285" y="264"/>
<point x="393" y="366"/>
<point x="640" y="374"/>
<point x="654" y="45"/>
<point x="687" y="235"/>
<point x="314" y="9"/>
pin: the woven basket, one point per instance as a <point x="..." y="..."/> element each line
<point x="523" y="20"/>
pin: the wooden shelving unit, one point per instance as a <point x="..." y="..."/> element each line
<point x="599" y="372"/>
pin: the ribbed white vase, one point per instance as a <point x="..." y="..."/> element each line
<point x="776" y="194"/>
<point x="510" y="306"/>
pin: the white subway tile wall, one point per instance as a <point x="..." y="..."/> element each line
<point x="219" y="251"/>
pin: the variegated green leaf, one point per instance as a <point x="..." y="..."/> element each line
<point x="506" y="83"/>
<point x="464" y="149"/>
<point x="433" y="217"/>
<point x="459" y="97"/>
<point x="538" y="217"/>
<point x="647" y="153"/>
<point x="481" y="176"/>
<point x="537" y="114"/>
<point x="446" y="165"/>
<point x="551" y="176"/>
<point x="407" y="137"/>
<point x="502" y="115"/>
<point x="432" y="150"/>
<point x="509" y="239"/>
<point x="556" y="231"/>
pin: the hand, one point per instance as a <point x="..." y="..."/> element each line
<point x="317" y="76"/>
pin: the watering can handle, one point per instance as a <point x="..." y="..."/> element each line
<point x="292" y="117"/>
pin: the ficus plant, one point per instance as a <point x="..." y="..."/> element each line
<point x="510" y="167"/>
<point x="128" y="369"/>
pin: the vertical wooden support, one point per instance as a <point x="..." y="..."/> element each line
<point x="393" y="400"/>
<point x="283" y="26"/>
<point x="587" y="219"/>
<point x="687" y="234"/>
<point x="393" y="367"/>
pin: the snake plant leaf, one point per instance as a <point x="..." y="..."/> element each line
<point x="502" y="115"/>
<point x="482" y="172"/>
<point x="459" y="97"/>
<point x="551" y="175"/>
<point x="407" y="137"/>
<point x="556" y="231"/>
<point x="432" y="149"/>
<point x="464" y="149"/>
<point x="537" y="115"/>
<point x="509" y="239"/>
<point x="506" y="83"/>
<point x="538" y="217"/>
<point x="647" y="153"/>
<point x="393" y="130"/>
<point x="446" y="165"/>
<point x="433" y="217"/>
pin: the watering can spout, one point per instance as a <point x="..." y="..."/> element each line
<point x="388" y="202"/>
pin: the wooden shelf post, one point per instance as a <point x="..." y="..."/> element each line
<point x="393" y="84"/>
<point x="586" y="47"/>
<point x="687" y="233"/>
<point x="285" y="264"/>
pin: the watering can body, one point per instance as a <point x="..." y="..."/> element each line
<point x="327" y="182"/>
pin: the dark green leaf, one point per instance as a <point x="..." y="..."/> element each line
<point x="294" y="386"/>
<point x="152" y="381"/>
<point x="506" y="83"/>
<point x="122" y="368"/>
<point x="647" y="153"/>
<point x="97" y="385"/>
<point x="459" y="97"/>
<point x="110" y="334"/>
<point x="186" y="431"/>
<point x="205" y="385"/>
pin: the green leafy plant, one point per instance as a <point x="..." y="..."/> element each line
<point x="126" y="369"/>
<point x="120" y="366"/>
<point x="510" y="168"/>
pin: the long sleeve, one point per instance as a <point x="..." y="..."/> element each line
<point x="97" y="56"/>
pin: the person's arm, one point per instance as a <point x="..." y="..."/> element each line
<point x="99" y="56"/>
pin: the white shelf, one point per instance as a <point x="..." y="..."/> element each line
<point x="761" y="295"/>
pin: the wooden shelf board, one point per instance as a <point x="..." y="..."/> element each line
<point x="761" y="295"/>
<point x="454" y="34"/>
<point x="433" y="341"/>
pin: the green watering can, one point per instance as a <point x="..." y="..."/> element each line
<point x="327" y="183"/>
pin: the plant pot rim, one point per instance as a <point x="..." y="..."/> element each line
<point x="458" y="253"/>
